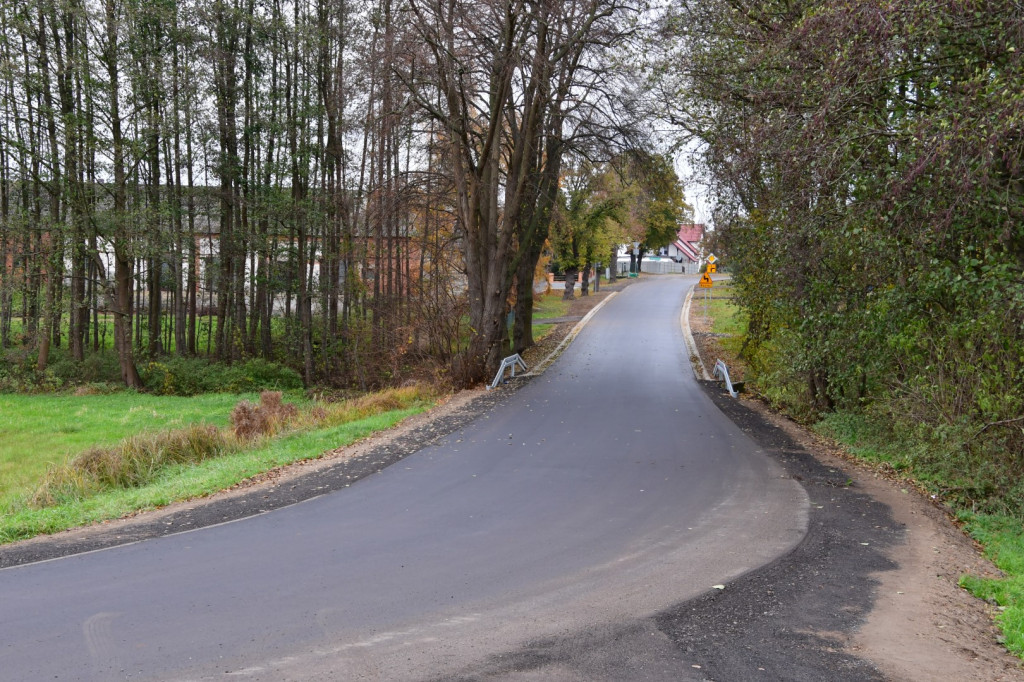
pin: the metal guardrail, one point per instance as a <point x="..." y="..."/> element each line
<point x="722" y="372"/>
<point x="512" y="362"/>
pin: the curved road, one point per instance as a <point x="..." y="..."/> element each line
<point x="604" y="490"/>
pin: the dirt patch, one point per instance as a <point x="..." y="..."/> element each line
<point x="922" y="626"/>
<point x="918" y="624"/>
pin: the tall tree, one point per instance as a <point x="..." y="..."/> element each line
<point x="493" y="66"/>
<point x="867" y="158"/>
<point x="121" y="234"/>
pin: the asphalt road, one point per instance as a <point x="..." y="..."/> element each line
<point x="601" y="493"/>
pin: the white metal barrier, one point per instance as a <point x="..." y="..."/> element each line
<point x="722" y="372"/>
<point x="511" y="362"/>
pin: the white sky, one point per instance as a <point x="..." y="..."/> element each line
<point x="697" y="193"/>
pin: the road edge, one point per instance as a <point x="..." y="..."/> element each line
<point x="564" y="343"/>
<point x="696" y="362"/>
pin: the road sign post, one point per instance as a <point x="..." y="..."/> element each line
<point x="706" y="283"/>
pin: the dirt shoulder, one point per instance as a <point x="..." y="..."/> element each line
<point x="912" y="621"/>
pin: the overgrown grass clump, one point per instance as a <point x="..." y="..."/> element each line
<point x="333" y="414"/>
<point x="134" y="462"/>
<point x="151" y="470"/>
<point x="253" y="420"/>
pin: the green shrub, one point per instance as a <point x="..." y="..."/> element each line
<point x="18" y="373"/>
<point x="266" y="375"/>
<point x="191" y="376"/>
<point x="17" y="370"/>
<point x="66" y="370"/>
<point x="101" y="367"/>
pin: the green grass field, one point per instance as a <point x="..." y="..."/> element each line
<point x="37" y="431"/>
<point x="182" y="482"/>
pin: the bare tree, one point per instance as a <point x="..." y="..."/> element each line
<point x="504" y="70"/>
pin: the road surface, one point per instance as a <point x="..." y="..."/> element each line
<point x="603" y="491"/>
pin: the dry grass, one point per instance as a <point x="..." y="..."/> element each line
<point x="137" y="460"/>
<point x="267" y="418"/>
<point x="324" y="416"/>
<point x="134" y="462"/>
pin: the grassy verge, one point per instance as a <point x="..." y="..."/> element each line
<point x="70" y="497"/>
<point x="550" y="305"/>
<point x="182" y="482"/>
<point x="728" y="321"/>
<point x="1001" y="536"/>
<point x="547" y="307"/>
<point x="1003" y="540"/>
<point x="41" y="431"/>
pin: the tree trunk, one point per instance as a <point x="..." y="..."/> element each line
<point x="122" y="263"/>
<point x="571" y="275"/>
<point x="226" y="95"/>
<point x="522" y="323"/>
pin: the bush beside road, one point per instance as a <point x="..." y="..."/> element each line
<point x="851" y="440"/>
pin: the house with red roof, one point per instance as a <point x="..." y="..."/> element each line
<point x="686" y="247"/>
<point x="684" y="255"/>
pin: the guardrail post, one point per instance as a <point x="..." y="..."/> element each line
<point x="511" y="362"/>
<point x="722" y="372"/>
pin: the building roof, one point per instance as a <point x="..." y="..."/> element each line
<point x="691" y="233"/>
<point x="688" y="240"/>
